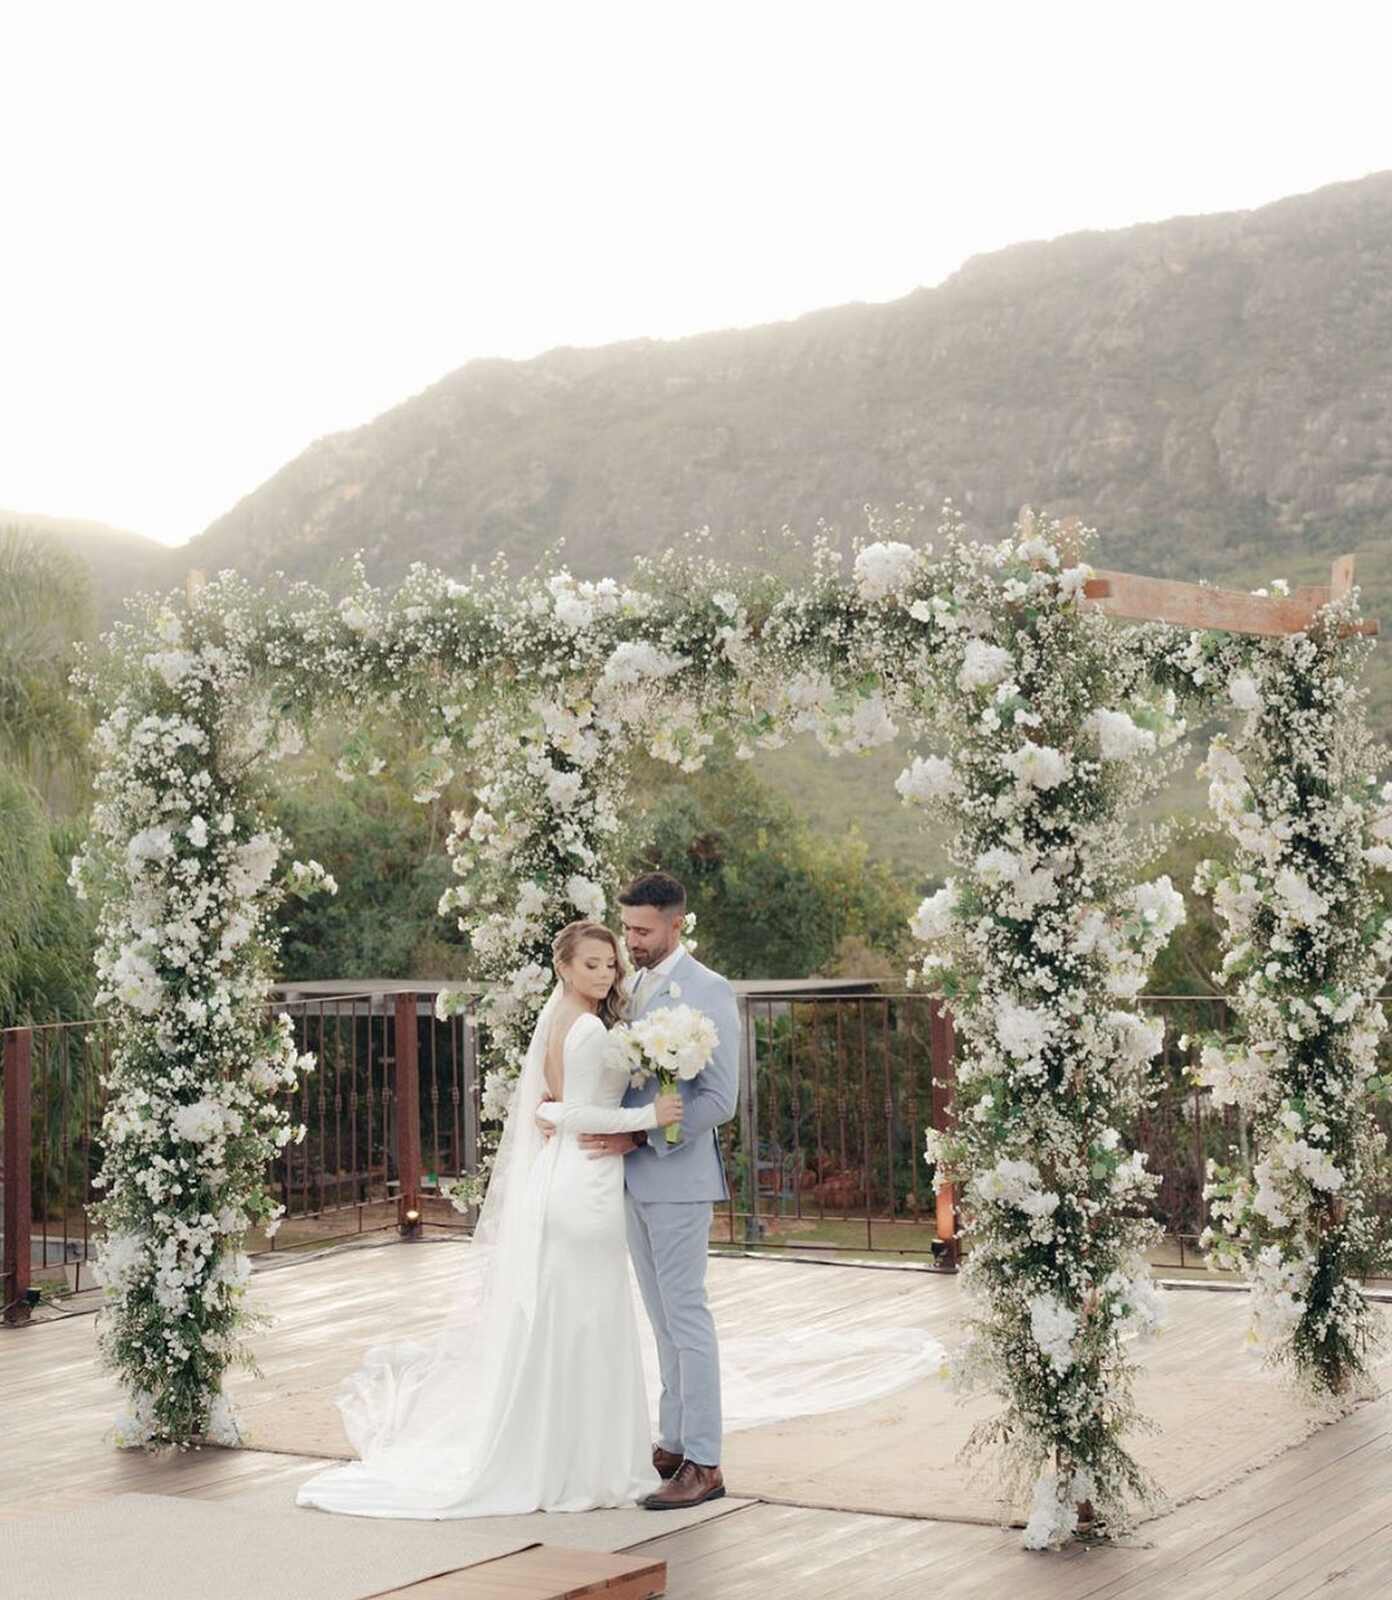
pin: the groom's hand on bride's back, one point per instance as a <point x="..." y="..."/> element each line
<point x="599" y="1145"/>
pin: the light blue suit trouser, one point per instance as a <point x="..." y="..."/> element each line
<point x="668" y="1241"/>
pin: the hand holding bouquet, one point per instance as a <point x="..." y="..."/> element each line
<point x="673" y="1043"/>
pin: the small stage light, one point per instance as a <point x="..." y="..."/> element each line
<point x="410" y="1222"/>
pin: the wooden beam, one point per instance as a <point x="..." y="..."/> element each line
<point x="1193" y="605"/>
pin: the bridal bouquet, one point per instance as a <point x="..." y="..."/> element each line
<point x="673" y="1043"/>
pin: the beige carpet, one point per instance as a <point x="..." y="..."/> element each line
<point x="171" y="1547"/>
<point x="1220" y="1412"/>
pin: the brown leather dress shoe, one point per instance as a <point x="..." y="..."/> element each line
<point x="692" y="1485"/>
<point x="665" y="1463"/>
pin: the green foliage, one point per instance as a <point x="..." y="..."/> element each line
<point x="773" y="897"/>
<point x="387" y="853"/>
<point x="46" y="939"/>
<point x="1186" y="964"/>
<point x="45" y="606"/>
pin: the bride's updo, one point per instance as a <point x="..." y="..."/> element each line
<point x="567" y="942"/>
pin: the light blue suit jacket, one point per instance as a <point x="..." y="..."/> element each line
<point x="690" y="1169"/>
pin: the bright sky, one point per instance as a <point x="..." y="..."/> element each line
<point x="231" y="227"/>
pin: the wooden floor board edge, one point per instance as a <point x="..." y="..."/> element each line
<point x="544" y="1572"/>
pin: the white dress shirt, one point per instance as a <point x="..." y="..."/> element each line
<point x="646" y="979"/>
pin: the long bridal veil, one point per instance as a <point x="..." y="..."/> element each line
<point x="410" y="1396"/>
<point x="418" y="1412"/>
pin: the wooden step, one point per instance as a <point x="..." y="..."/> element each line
<point x="545" y="1572"/>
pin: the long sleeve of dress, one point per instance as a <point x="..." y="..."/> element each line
<point x="598" y="1119"/>
<point x="585" y="1047"/>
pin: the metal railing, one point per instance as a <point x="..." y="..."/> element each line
<point x="390" y="1112"/>
<point x="824" y="1155"/>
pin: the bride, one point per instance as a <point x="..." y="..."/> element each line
<point x="533" y="1397"/>
<point x="545" y="1409"/>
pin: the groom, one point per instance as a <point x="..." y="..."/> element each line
<point x="670" y="1190"/>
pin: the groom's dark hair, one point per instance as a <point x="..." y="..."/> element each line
<point x="658" y="889"/>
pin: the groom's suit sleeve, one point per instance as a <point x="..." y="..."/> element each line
<point x="710" y="1097"/>
<point x="599" y="1119"/>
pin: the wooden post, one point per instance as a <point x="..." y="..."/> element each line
<point x="16" y="1155"/>
<point x="1341" y="578"/>
<point x="468" y="1027"/>
<point x="943" y="1054"/>
<point x="195" y="582"/>
<point x="408" y="1130"/>
<point x="749" y="1121"/>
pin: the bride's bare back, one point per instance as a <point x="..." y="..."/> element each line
<point x="568" y="1013"/>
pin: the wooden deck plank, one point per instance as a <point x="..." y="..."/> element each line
<point x="1317" y="1520"/>
<point x="545" y="1572"/>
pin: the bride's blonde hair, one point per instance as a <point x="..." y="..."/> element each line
<point x="614" y="1006"/>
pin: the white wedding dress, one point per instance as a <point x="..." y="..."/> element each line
<point x="562" y="1420"/>
<point x="538" y="1393"/>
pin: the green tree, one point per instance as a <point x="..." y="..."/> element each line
<point x="773" y="898"/>
<point x="45" y="935"/>
<point x="386" y="853"/>
<point x="46" y="940"/>
<point x="45" y="606"/>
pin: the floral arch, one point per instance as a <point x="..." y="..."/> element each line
<point x="1045" y="724"/>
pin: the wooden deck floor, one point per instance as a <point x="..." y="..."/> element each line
<point x="1318" y="1521"/>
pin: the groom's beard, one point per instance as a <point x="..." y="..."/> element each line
<point x="646" y="963"/>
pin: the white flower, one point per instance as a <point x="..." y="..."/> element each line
<point x="150" y="845"/>
<point x="933" y="919"/>
<point x="1037" y="766"/>
<point x="1118" y="736"/>
<point x="1053" y="1328"/>
<point x="1160" y="907"/>
<point x="586" y="896"/>
<point x="135" y="1422"/>
<point x="881" y="569"/>
<point x="998" y="865"/>
<point x="1302" y="904"/>
<point x="1073" y="580"/>
<point x="1023" y="1031"/>
<point x="983" y="664"/>
<point x="929" y="778"/>
<point x="172" y="665"/>
<point x="630" y="665"/>
<point x="121" y="1257"/>
<point x="1139" y="1039"/>
<point x="203" y="1121"/>
<point x="253" y="864"/>
<point x="308" y="877"/>
<point x="674" y="1039"/>
<point x="563" y="789"/>
<point x="1038" y="550"/>
<point x="1244" y="692"/>
<point x="1054" y="1513"/>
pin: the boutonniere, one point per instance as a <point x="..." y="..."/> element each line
<point x="674" y="989"/>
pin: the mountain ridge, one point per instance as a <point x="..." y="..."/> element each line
<point x="1224" y="377"/>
